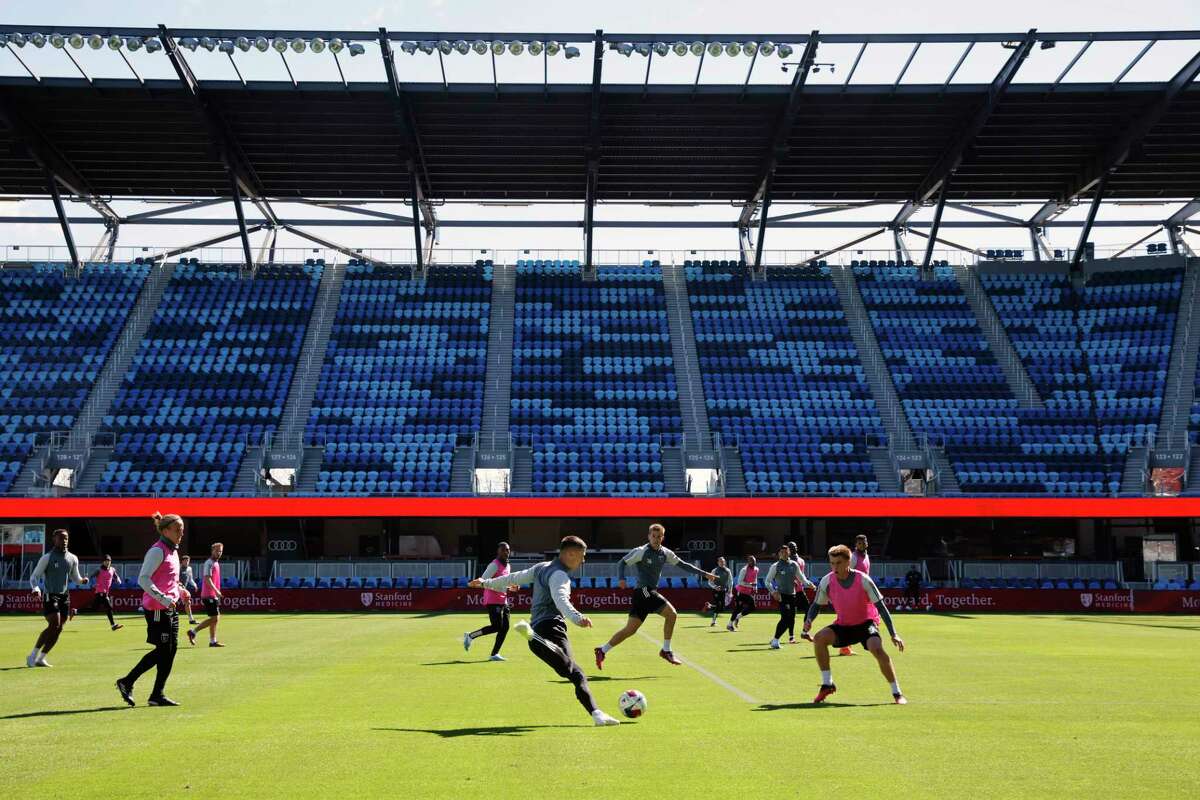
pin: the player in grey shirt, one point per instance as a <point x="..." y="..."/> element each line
<point x="551" y="581"/>
<point x="649" y="560"/>
<point x="57" y="566"/>
<point x="722" y="585"/>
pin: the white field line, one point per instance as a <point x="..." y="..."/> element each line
<point x="714" y="678"/>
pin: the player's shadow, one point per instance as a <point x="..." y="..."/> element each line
<point x="451" y="663"/>
<point x="602" y="678"/>
<point x="497" y="730"/>
<point x="63" y="712"/>
<point x="797" y="706"/>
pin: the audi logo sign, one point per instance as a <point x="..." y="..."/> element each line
<point x="701" y="546"/>
<point x="282" y="546"/>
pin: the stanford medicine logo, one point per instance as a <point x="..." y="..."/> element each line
<point x="1085" y="599"/>
<point x="367" y="598"/>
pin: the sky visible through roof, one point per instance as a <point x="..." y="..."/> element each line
<point x="881" y="64"/>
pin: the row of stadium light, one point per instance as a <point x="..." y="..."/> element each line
<point x="496" y="47"/>
<point x="713" y="49"/>
<point x="152" y="44"/>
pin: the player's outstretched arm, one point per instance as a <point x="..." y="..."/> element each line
<point x="676" y="561"/>
<point x="522" y="578"/>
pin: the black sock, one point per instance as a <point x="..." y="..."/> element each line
<point x="583" y="692"/>
<point x="500" y="634"/>
<point x="142" y="667"/>
<point x="165" y="658"/>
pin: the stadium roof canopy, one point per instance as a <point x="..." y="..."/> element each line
<point x="906" y="143"/>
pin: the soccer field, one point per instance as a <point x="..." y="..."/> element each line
<point x="374" y="705"/>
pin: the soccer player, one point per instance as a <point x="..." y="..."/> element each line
<point x="852" y="594"/>
<point x="105" y="579"/>
<point x="496" y="602"/>
<point x="782" y="579"/>
<point x="58" y="566"/>
<point x="551" y="581"/>
<point x="187" y="586"/>
<point x="649" y="560"/>
<point x="721" y="585"/>
<point x="747" y="582"/>
<point x="210" y="594"/>
<point x="159" y="579"/>
<point x="912" y="588"/>
<point x="801" y="598"/>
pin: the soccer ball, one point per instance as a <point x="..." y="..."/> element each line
<point x="632" y="703"/>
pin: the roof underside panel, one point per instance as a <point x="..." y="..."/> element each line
<point x="657" y="142"/>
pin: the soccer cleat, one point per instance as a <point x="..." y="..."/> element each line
<point x="42" y="662"/>
<point x="161" y="700"/>
<point x="191" y="637"/>
<point x="845" y="651"/>
<point x="806" y="637"/>
<point x="215" y="644"/>
<point x="31" y="660"/>
<point x="497" y="657"/>
<point x="126" y="691"/>
<point x="669" y="657"/>
<point x="599" y="651"/>
<point x="791" y="640"/>
<point x="117" y="626"/>
<point x="774" y="644"/>
<point x="824" y="692"/>
<point x="712" y="624"/>
<point x="730" y="628"/>
<point x="900" y="699"/>
<point x="466" y="641"/>
<point x="191" y="620"/>
<point x="524" y="629"/>
<point x="602" y="720"/>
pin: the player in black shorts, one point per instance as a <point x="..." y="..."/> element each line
<point x="722" y="585"/>
<point x="57" y="567"/>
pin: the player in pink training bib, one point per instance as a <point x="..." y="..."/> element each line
<point x="210" y="596"/>
<point x="106" y="579"/>
<point x="852" y="594"/>
<point x="496" y="602"/>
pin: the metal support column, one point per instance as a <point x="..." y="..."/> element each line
<point x="1033" y="242"/>
<point x="1077" y="256"/>
<point x="762" y="220"/>
<point x="62" y="219"/>
<point x="416" y="214"/>
<point x="241" y="220"/>
<point x="937" y="222"/>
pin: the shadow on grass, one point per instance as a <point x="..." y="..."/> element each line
<point x="498" y="730"/>
<point x="451" y="663"/>
<point x="64" y="712"/>
<point x="798" y="706"/>
<point x="1102" y="621"/>
<point x="602" y="678"/>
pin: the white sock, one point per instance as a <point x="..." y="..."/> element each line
<point x="667" y="645"/>
<point x="826" y="677"/>
<point x="604" y="648"/>
<point x="896" y="687"/>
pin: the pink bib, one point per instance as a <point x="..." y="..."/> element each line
<point x="494" y="598"/>
<point x="851" y="605"/>
<point x="165" y="578"/>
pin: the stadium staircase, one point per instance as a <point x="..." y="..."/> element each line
<point x="1181" y="374"/>
<point x="1002" y="347"/>
<point x="288" y="438"/>
<point x="494" y="436"/>
<point x="79" y="442"/>
<point x="1133" y="478"/>
<point x="697" y="435"/>
<point x="891" y="412"/>
<point x="521" y="478"/>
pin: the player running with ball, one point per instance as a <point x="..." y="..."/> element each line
<point x="852" y="594"/>
<point x="551" y="608"/>
<point x="649" y="560"/>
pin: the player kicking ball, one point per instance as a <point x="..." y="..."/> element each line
<point x="852" y="594"/>
<point x="649" y="560"/>
<point x="551" y="608"/>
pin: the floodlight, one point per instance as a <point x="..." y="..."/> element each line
<point x="280" y="45"/>
<point x="317" y="45"/>
<point x="114" y="42"/>
<point x="552" y="48"/>
<point x="516" y="48"/>
<point x="17" y="38"/>
<point x="261" y="44"/>
<point x="766" y="48"/>
<point x="462" y="47"/>
<point x="498" y="48"/>
<point x="784" y="51"/>
<point x="336" y="45"/>
<point x="299" y="45"/>
<point x="535" y="48"/>
<point x="680" y="48"/>
<point x="750" y="48"/>
<point x="38" y="40"/>
<point x="625" y="49"/>
<point x="242" y="43"/>
<point x="661" y="48"/>
<point x="208" y="43"/>
<point x="642" y="49"/>
<point x="95" y="41"/>
<point x="408" y="47"/>
<point x="570" y="51"/>
<point x="479" y="46"/>
<point x="715" y="49"/>
<point x="697" y="48"/>
<point x="427" y="47"/>
<point x="153" y="45"/>
<point x="732" y="48"/>
<point x="189" y="43"/>
<point x="445" y="48"/>
<point x="357" y="49"/>
<point x="76" y="40"/>
<point x="226" y="46"/>
<point x="133" y="44"/>
<point x="58" y="41"/>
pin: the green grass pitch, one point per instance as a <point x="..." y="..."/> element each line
<point x="376" y="705"/>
